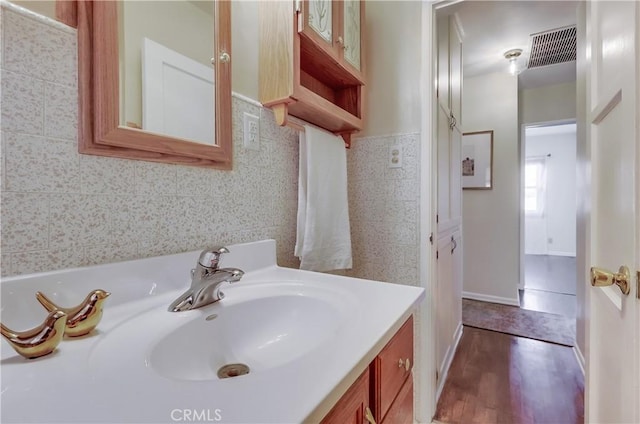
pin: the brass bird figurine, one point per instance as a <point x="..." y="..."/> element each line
<point x="82" y="318"/>
<point x="38" y="341"/>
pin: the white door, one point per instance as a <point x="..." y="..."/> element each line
<point x="177" y="95"/>
<point x="613" y="370"/>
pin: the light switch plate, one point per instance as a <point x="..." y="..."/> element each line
<point x="251" y="131"/>
<point x="395" y="156"/>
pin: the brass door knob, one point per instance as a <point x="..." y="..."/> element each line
<point x="601" y="278"/>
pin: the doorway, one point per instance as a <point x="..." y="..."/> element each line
<point x="549" y="199"/>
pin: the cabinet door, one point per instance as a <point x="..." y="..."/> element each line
<point x="353" y="405"/>
<point x="455" y="176"/>
<point x="401" y="412"/>
<point x="393" y="367"/>
<point x="442" y="301"/>
<point x="317" y="23"/>
<point x="455" y="72"/>
<point x="443" y="63"/>
<point x="444" y="172"/>
<point x="456" y="282"/>
<point x="351" y="30"/>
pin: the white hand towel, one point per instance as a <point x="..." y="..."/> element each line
<point x="324" y="236"/>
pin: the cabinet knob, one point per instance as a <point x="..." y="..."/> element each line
<point x="340" y="40"/>
<point x="369" y="415"/>
<point x="406" y="364"/>
<point x="224" y="57"/>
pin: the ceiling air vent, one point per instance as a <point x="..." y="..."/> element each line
<point x="551" y="47"/>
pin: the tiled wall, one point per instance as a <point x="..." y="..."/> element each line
<point x="60" y="209"/>
<point x="384" y="206"/>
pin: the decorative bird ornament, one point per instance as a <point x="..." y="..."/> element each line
<point x="82" y="318"/>
<point x="38" y="341"/>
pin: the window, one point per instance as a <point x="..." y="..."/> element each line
<point x="534" y="181"/>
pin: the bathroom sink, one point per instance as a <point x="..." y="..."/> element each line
<point x="259" y="333"/>
<point x="261" y="325"/>
<point x="301" y="334"/>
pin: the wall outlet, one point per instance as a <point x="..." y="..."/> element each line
<point x="550" y="240"/>
<point x="251" y="131"/>
<point x="395" y="156"/>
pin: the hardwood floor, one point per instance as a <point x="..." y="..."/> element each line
<point x="499" y="378"/>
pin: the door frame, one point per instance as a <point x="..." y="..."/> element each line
<point x="522" y="148"/>
<point x="425" y="380"/>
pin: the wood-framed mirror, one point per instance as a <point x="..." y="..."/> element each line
<point x="102" y="126"/>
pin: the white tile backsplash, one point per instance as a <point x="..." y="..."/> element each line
<point x="43" y="51"/>
<point x="61" y="111"/>
<point x="60" y="209"/>
<point x="103" y="175"/>
<point x="56" y="161"/>
<point x="22" y="103"/>
<point x="25" y="222"/>
<point x="383" y="205"/>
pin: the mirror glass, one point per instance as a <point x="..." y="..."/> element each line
<point x="166" y="72"/>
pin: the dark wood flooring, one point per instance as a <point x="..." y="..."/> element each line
<point x="499" y="378"/>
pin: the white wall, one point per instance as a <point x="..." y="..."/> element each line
<point x="42" y="7"/>
<point x="392" y="37"/>
<point x="548" y="103"/>
<point x="554" y="232"/>
<point x="244" y="48"/>
<point x="491" y="217"/>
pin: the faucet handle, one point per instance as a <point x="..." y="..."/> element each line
<point x="209" y="258"/>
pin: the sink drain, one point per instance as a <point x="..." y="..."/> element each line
<point x="233" y="370"/>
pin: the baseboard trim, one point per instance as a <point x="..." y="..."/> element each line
<point x="579" y="358"/>
<point x="554" y="253"/>
<point x="489" y="298"/>
<point x="444" y="371"/>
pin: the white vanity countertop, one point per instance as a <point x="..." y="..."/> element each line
<point x="109" y="377"/>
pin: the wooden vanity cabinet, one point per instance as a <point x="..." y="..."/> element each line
<point x="384" y="391"/>
<point x="353" y="405"/>
<point x="310" y="62"/>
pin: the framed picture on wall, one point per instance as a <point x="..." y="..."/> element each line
<point x="477" y="160"/>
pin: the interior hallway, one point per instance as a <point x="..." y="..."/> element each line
<point x="499" y="378"/>
<point x="550" y="284"/>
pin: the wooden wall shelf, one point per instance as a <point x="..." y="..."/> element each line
<point x="306" y="78"/>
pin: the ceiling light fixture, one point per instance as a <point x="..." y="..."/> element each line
<point x="512" y="56"/>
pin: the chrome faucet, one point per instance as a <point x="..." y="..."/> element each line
<point x="206" y="279"/>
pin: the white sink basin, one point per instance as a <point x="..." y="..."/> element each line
<point x="261" y="324"/>
<point x="261" y="333"/>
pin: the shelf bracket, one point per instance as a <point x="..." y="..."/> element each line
<point x="281" y="112"/>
